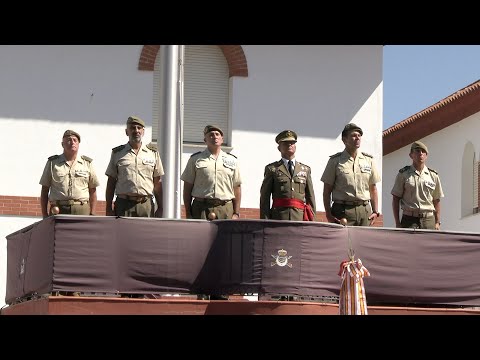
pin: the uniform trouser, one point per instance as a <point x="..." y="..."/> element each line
<point x="417" y="222"/>
<point x="75" y="209"/>
<point x="131" y="208"/>
<point x="200" y="210"/>
<point x="356" y="215"/>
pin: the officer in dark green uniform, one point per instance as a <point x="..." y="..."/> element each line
<point x="418" y="189"/>
<point x="289" y="183"/>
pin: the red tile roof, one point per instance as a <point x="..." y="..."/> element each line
<point x="454" y="108"/>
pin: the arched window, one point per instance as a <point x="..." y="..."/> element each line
<point x="476" y="189"/>
<point x="469" y="182"/>
<point x="207" y="87"/>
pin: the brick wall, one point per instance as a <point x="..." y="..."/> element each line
<point x="30" y="206"/>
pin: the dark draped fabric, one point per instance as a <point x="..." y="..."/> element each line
<point x="112" y="255"/>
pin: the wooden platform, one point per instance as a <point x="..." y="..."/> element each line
<point x="81" y="305"/>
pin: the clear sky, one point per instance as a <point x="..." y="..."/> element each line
<point x="417" y="76"/>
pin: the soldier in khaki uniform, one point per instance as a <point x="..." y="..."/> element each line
<point x="418" y="189"/>
<point x="69" y="181"/>
<point x="289" y="183"/>
<point x="212" y="178"/>
<point x="349" y="180"/>
<point x="134" y="175"/>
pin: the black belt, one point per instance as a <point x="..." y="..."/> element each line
<point x="135" y="198"/>
<point x="352" y="203"/>
<point x="212" y="202"/>
<point x="417" y="214"/>
<point x="68" y="202"/>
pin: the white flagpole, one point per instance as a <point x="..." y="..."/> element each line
<point x="168" y="128"/>
<point x="178" y="163"/>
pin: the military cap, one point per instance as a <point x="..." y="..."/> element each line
<point x="351" y="127"/>
<point x="71" y="133"/>
<point x="286" y="135"/>
<point x="209" y="128"/>
<point x="418" y="145"/>
<point x="135" y="120"/>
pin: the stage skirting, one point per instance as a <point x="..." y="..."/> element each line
<point x="111" y="256"/>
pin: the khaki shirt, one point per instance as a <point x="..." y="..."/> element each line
<point x="417" y="189"/>
<point x="212" y="178"/>
<point x="69" y="182"/>
<point x="351" y="178"/>
<point x="134" y="173"/>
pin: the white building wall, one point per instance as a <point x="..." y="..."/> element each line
<point x="446" y="149"/>
<point x="314" y="90"/>
<point x="49" y="89"/>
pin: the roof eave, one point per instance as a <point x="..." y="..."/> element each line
<point x="442" y="114"/>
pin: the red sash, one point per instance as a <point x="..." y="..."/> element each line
<point x="295" y="203"/>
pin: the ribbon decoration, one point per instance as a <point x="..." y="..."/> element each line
<point x="353" y="300"/>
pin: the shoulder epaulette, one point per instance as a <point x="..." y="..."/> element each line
<point x="335" y="155"/>
<point x="232" y="155"/>
<point x="118" y="148"/>
<point x="274" y="164"/>
<point x="53" y="157"/>
<point x="366" y="154"/>
<point x="433" y="170"/>
<point x="86" y="158"/>
<point x="405" y="168"/>
<point x="302" y="164"/>
<point x="152" y="147"/>
<point x="198" y="152"/>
